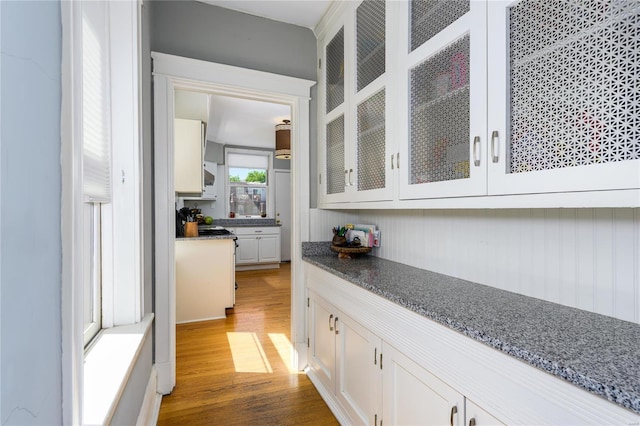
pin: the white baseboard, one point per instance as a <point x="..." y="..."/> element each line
<point x="151" y="403"/>
<point x="255" y="266"/>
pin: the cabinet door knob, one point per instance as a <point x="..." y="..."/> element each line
<point x="495" y="149"/>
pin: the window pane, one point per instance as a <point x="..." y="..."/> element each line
<point x="92" y="271"/>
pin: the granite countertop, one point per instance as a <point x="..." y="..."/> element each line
<point x="597" y="353"/>
<point x="207" y="237"/>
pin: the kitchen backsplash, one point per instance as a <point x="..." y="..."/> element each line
<point x="584" y="258"/>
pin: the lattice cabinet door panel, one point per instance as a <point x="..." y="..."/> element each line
<point x="370" y="168"/>
<point x="564" y="105"/>
<point x="334" y="84"/>
<point x="444" y="110"/>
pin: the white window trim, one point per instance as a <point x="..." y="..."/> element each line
<point x="270" y="180"/>
<point x="122" y="289"/>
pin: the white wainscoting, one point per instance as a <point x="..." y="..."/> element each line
<point x="584" y="258"/>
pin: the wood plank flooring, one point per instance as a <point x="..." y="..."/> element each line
<point x="235" y="371"/>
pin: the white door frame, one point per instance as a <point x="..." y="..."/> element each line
<point x="174" y="72"/>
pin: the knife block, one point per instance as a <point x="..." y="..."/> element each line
<point x="191" y="229"/>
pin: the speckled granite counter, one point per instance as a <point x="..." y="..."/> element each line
<point x="595" y="352"/>
<point x="208" y="237"/>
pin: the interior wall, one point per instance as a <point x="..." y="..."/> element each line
<point x="210" y="33"/>
<point x="30" y="205"/>
<point x="584" y="258"/>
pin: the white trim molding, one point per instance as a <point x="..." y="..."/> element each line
<point x="175" y="72"/>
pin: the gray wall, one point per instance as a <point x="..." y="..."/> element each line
<point x="210" y="33"/>
<point x="201" y="31"/>
<point x="30" y="248"/>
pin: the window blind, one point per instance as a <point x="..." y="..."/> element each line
<point x="248" y="161"/>
<point x="96" y="138"/>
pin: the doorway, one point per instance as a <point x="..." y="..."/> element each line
<point x="171" y="73"/>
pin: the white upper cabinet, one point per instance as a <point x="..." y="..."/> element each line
<point x="189" y="148"/>
<point x="564" y="104"/>
<point x="354" y="158"/>
<point x="443" y="102"/>
<point x="479" y="104"/>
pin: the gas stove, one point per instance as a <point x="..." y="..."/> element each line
<point x="204" y="230"/>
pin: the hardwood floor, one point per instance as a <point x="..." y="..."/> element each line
<point x="235" y="371"/>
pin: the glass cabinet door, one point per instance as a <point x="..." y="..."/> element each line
<point x="371" y="170"/>
<point x="446" y="83"/>
<point x="334" y="83"/>
<point x="333" y="153"/>
<point x="566" y="113"/>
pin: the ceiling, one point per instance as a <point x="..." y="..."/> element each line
<point x="233" y="121"/>
<point x="304" y="13"/>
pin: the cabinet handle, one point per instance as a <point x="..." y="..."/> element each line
<point x="398" y="161"/>
<point x="258" y="230"/>
<point x="346" y="175"/>
<point x="494" y="149"/>
<point x="454" y="410"/>
<point x="330" y="326"/>
<point x="350" y="171"/>
<point x="335" y="325"/>
<point x="472" y="421"/>
<point x="319" y="178"/>
<point x="476" y="148"/>
<point x="391" y="161"/>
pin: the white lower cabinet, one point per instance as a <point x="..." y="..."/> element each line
<point x="258" y="247"/>
<point x="413" y="396"/>
<point x="477" y="416"/>
<point x="372" y="383"/>
<point x="344" y="358"/>
<point x="385" y="365"/>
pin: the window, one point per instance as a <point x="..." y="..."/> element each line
<point x="96" y="156"/>
<point x="101" y="205"/>
<point x="249" y="174"/>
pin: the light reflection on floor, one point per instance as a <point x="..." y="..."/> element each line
<point x="250" y="357"/>
<point x="247" y="353"/>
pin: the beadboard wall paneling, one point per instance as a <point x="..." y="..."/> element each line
<point x="584" y="258"/>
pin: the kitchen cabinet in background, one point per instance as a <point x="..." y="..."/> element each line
<point x="188" y="156"/>
<point x="205" y="278"/>
<point x="258" y="247"/>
